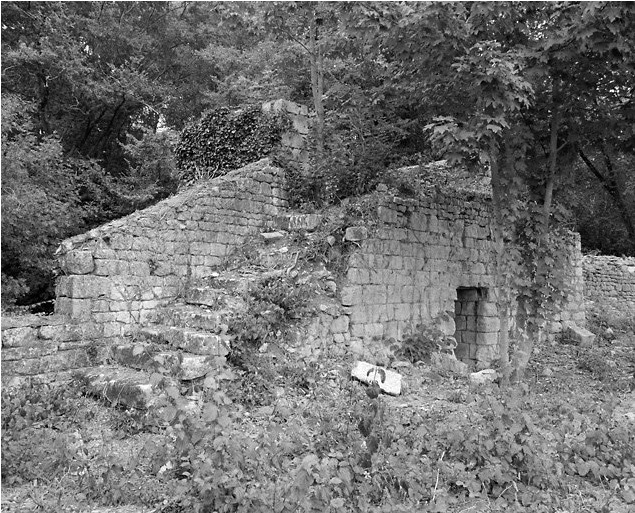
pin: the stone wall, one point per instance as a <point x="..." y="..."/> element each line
<point x="610" y="279"/>
<point x="118" y="273"/>
<point x="294" y="139"/>
<point x="429" y="256"/>
<point x="40" y="345"/>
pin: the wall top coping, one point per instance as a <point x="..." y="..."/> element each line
<point x="608" y="260"/>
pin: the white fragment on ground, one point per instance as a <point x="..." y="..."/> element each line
<point x="483" y="377"/>
<point x="388" y="381"/>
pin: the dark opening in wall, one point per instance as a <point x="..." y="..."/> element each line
<point x="468" y="309"/>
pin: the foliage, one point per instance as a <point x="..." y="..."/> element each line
<point x="272" y="304"/>
<point x="418" y="345"/>
<point x="33" y="419"/>
<point x="224" y="140"/>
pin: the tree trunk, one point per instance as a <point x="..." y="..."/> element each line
<point x="502" y="281"/>
<point x="317" y="85"/>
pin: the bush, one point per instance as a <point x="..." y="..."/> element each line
<point x="224" y="140"/>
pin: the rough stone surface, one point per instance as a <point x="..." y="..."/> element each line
<point x="389" y="381"/>
<point x="429" y="256"/>
<point x="356" y="233"/>
<point x="579" y="336"/>
<point x="610" y="278"/>
<point x="43" y="346"/>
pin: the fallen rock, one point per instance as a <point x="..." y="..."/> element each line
<point x="388" y="381"/>
<point x="447" y="362"/>
<point x="547" y="372"/>
<point x="272" y="236"/>
<point x="483" y="377"/>
<point x="579" y="336"/>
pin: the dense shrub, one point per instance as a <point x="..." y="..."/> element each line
<point x="223" y="140"/>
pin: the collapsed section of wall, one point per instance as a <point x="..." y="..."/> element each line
<point x="118" y="273"/>
<point x="610" y="279"/>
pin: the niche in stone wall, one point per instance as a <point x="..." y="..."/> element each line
<point x="477" y="325"/>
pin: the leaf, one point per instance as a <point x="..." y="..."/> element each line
<point x="582" y="468"/>
<point x="169" y="413"/>
<point x="338" y="503"/>
<point x="173" y="392"/>
<point x="155" y="379"/>
<point x="210" y="412"/>
<point x="137" y="350"/>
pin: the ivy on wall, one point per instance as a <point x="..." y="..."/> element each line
<point x="223" y="140"/>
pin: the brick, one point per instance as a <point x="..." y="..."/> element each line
<point x="340" y="324"/>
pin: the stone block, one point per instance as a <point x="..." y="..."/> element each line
<point x="387" y="215"/>
<point x="357" y="330"/>
<point x="351" y="296"/>
<point x="340" y="324"/>
<point x="74" y="308"/>
<point x="272" y="236"/>
<point x="486" y="354"/>
<point x="71" y="332"/>
<point x="579" y="336"/>
<point x="16" y="337"/>
<point x="85" y="286"/>
<point x="388" y="381"/>
<point x="374" y="330"/>
<point x="485" y="339"/>
<point x="488" y="324"/>
<point x="462" y="351"/>
<point x="487" y="309"/>
<point x="356" y="233"/>
<point x="77" y="262"/>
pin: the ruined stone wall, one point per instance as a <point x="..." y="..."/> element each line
<point x="118" y="273"/>
<point x="35" y="345"/>
<point x="294" y="139"/>
<point x="611" y="279"/>
<point x="427" y="257"/>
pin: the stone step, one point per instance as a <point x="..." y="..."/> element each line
<point x="183" y="366"/>
<point x="215" y="298"/>
<point x="122" y="387"/>
<point x="299" y="222"/>
<point x="189" y="316"/>
<point x="191" y="341"/>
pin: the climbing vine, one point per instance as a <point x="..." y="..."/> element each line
<point x="223" y="140"/>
